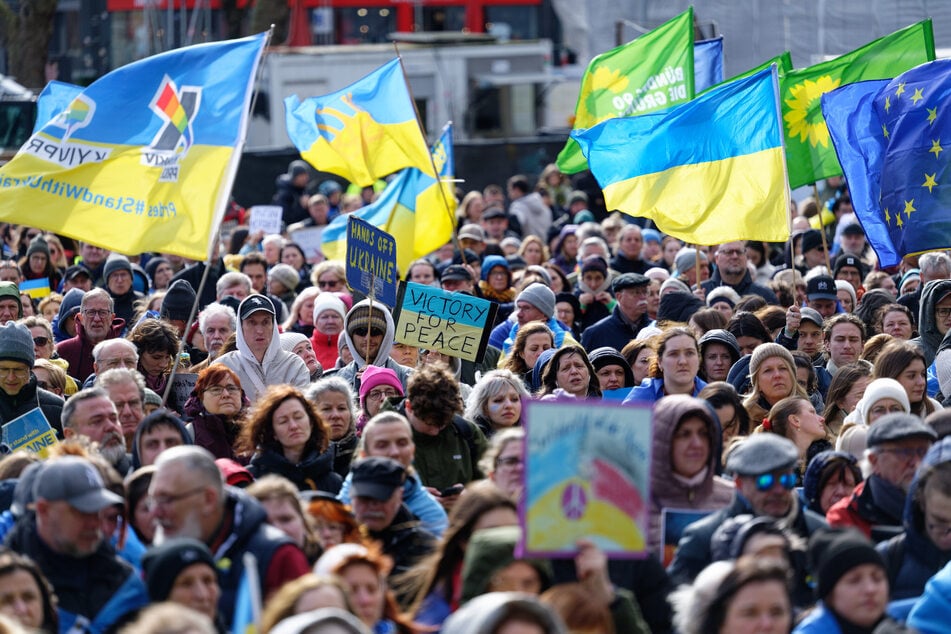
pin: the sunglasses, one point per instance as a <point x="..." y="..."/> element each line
<point x="767" y="481"/>
<point x="40" y="341"/>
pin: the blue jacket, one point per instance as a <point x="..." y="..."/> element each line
<point x="652" y="390"/>
<point x="911" y="558"/>
<point x="612" y="331"/>
<point x="417" y="499"/>
<point x="818" y="621"/>
<point x="930" y="614"/>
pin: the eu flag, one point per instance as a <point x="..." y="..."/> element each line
<point x="893" y="140"/>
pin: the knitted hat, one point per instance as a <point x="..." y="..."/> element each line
<point x="910" y="275"/>
<point x="114" y="263"/>
<point x="657" y="273"/>
<point x="594" y="263"/>
<point x="162" y="564"/>
<point x="572" y="299"/>
<point x="10" y="290"/>
<point x="605" y="356"/>
<point x="541" y="272"/>
<point x="296" y="168"/>
<point x="723" y="294"/>
<point x="16" y="343"/>
<point x="810" y="240"/>
<point x="286" y="275"/>
<point x="374" y="376"/>
<point x="686" y="259"/>
<point x="847" y="259"/>
<point x="539" y="296"/>
<point x="879" y="389"/>
<point x="153" y="264"/>
<point x="152" y="398"/>
<point x="329" y="301"/>
<point x="675" y="284"/>
<point x="38" y="245"/>
<point x="178" y="301"/>
<point x="834" y="552"/>
<point x="329" y="187"/>
<point x="650" y="235"/>
<point x="767" y="350"/>
<point x="842" y="285"/>
<point x="359" y="319"/>
<point x="289" y="340"/>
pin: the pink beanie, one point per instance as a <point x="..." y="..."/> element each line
<point x="375" y="375"/>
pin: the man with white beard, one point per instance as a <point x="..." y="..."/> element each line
<point x="189" y="499"/>
<point x="92" y="414"/>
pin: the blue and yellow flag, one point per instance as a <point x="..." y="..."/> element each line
<point x="893" y="140"/>
<point x="443" y="152"/>
<point x="144" y="158"/>
<point x="709" y="171"/>
<point x="364" y="132"/>
<point x="55" y="98"/>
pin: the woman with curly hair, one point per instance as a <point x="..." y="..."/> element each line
<point x="157" y="342"/>
<point x="532" y="339"/>
<point x="288" y="439"/>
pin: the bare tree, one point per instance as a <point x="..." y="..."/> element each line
<point x="27" y="34"/>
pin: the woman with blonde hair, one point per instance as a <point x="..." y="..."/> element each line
<point x="304" y="594"/>
<point x="534" y="251"/>
<point x="470" y="209"/>
<point x="285" y="511"/>
<point x="301" y="315"/>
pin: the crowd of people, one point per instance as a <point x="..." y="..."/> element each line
<point x="364" y="484"/>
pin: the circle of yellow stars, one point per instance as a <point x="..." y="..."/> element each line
<point x="936" y="149"/>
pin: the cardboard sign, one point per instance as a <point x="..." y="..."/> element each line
<point x="455" y="324"/>
<point x="672" y="525"/>
<point x="182" y="387"/>
<point x="266" y="218"/>
<point x="31" y="432"/>
<point x="309" y="240"/>
<point x="371" y="255"/>
<point x="587" y="474"/>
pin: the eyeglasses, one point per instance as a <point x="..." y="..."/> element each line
<point x="40" y="341"/>
<point x="732" y="253"/>
<point x="376" y="395"/>
<point x="509" y="462"/>
<point x="17" y="372"/>
<point x="101" y="314"/>
<point x="217" y="390"/>
<point x="906" y="453"/>
<point x="942" y="311"/>
<point x="329" y="283"/>
<point x="767" y="481"/>
<point x="156" y="501"/>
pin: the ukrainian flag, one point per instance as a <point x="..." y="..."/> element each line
<point x="144" y="158"/>
<point x="707" y="172"/>
<point x="364" y="132"/>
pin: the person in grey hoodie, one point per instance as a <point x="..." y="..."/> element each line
<point x="931" y="326"/>
<point x="259" y="360"/>
<point x="377" y="321"/>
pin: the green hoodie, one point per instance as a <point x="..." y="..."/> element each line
<point x="10" y="289"/>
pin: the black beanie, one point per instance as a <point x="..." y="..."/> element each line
<point x="161" y="565"/>
<point x="178" y="300"/>
<point x="834" y="552"/>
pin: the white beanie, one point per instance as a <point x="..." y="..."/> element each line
<point x="876" y="391"/>
<point x="329" y="301"/>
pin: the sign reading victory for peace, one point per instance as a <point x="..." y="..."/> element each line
<point x="371" y="255"/>
<point x="587" y="475"/>
<point x="455" y="324"/>
<point x="31" y="432"/>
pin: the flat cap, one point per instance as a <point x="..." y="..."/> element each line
<point x="898" y="426"/>
<point x="629" y="280"/>
<point x="762" y="453"/>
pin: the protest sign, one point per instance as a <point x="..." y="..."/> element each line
<point x="182" y="386"/>
<point x="672" y="525"/>
<point x="587" y="475"/>
<point x="455" y="324"/>
<point x="309" y="240"/>
<point x="31" y="432"/>
<point x="266" y="218"/>
<point x="371" y="255"/>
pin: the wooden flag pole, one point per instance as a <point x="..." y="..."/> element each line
<point x="822" y="229"/>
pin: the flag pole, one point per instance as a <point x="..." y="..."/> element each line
<point x="822" y="228"/>
<point x="230" y="175"/>
<point x="432" y="161"/>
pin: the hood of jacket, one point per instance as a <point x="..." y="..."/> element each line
<point x="928" y="336"/>
<point x="141" y="429"/>
<point x="913" y="518"/>
<point x="667" y="489"/>
<point x="489" y="551"/>
<point x="678" y="306"/>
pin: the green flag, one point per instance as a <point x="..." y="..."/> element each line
<point x="809" y="152"/>
<point x="651" y="73"/>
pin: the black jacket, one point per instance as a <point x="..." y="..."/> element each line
<point x="313" y="473"/>
<point x="405" y="541"/>
<point x="28" y="398"/>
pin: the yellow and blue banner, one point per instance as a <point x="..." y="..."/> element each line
<point x="364" y="132"/>
<point x="36" y="289"/>
<point x="144" y="158"/>
<point x="709" y="171"/>
<point x="443" y="153"/>
<point x="31" y="432"/>
<point x="893" y="140"/>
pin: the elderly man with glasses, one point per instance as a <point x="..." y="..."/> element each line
<point x="732" y="271"/>
<point x="95" y="323"/>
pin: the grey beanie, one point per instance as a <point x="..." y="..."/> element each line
<point x="539" y="296"/>
<point x="116" y="262"/>
<point x="16" y="343"/>
<point x="686" y="259"/>
<point x="286" y="275"/>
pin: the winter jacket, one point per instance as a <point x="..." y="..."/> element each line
<point x="929" y="338"/>
<point x="930" y="613"/>
<point x="418" y="500"/>
<point x="77" y="351"/>
<point x="29" y="398"/>
<point x="325" y="348"/>
<point x="821" y="620"/>
<point x="405" y="541"/>
<point x="746" y="287"/>
<point x="623" y="264"/>
<point x="451" y="456"/>
<point x="707" y="491"/>
<point x="95" y="592"/>
<point x="214" y="432"/>
<point x="875" y="508"/>
<point x="344" y="451"/>
<point x="313" y="473"/>
<point x="652" y="390"/>
<point x="614" y="331"/>
<point x="275" y="368"/>
<point x="911" y="557"/>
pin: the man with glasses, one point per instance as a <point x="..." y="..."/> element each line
<point x="627" y="319"/>
<point x="896" y="445"/>
<point x="188" y="499"/>
<point x="95" y="323"/>
<point x="96" y="589"/>
<point x="763" y="471"/>
<point x="18" y="389"/>
<point x="732" y="271"/>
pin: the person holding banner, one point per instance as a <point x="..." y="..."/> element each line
<point x="369" y="331"/>
<point x="19" y="393"/>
